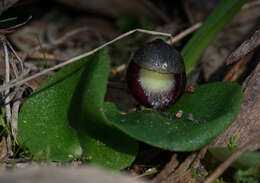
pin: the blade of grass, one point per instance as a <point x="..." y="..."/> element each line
<point x="44" y="64"/>
<point x="208" y="31"/>
<point x="8" y="19"/>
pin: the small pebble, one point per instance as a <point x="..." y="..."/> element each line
<point x="179" y="114"/>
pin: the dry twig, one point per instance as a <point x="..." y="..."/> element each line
<point x="168" y="169"/>
<point x="7" y="99"/>
<point x="19" y="25"/>
<point x="238" y="69"/>
<point x="246" y="47"/>
<point x="184" y="33"/>
<point x="19" y="82"/>
<point x="181" y="170"/>
<point x="16" y="55"/>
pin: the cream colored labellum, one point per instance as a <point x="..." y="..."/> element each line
<point x="156" y="82"/>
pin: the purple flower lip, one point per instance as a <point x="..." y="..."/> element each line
<point x="156" y="75"/>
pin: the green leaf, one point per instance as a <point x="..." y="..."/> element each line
<point x="213" y="107"/>
<point x="208" y="31"/>
<point x="103" y="144"/>
<point x="247" y="160"/>
<point x="43" y="122"/>
<point x="63" y="119"/>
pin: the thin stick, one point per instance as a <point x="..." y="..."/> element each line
<point x="184" y="166"/>
<point x="17" y="56"/>
<point x="12" y="62"/>
<point x="7" y="104"/>
<point x="177" y="38"/>
<point x="20" y="25"/>
<point x="255" y="139"/>
<point x="21" y="76"/>
<point x="4" y="87"/>
<point x="184" y="33"/>
<point x="7" y="79"/>
<point x="167" y="170"/>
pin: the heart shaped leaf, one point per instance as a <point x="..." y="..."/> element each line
<point x="103" y="144"/>
<point x="247" y="160"/>
<point x="206" y="114"/>
<point x="63" y="119"/>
